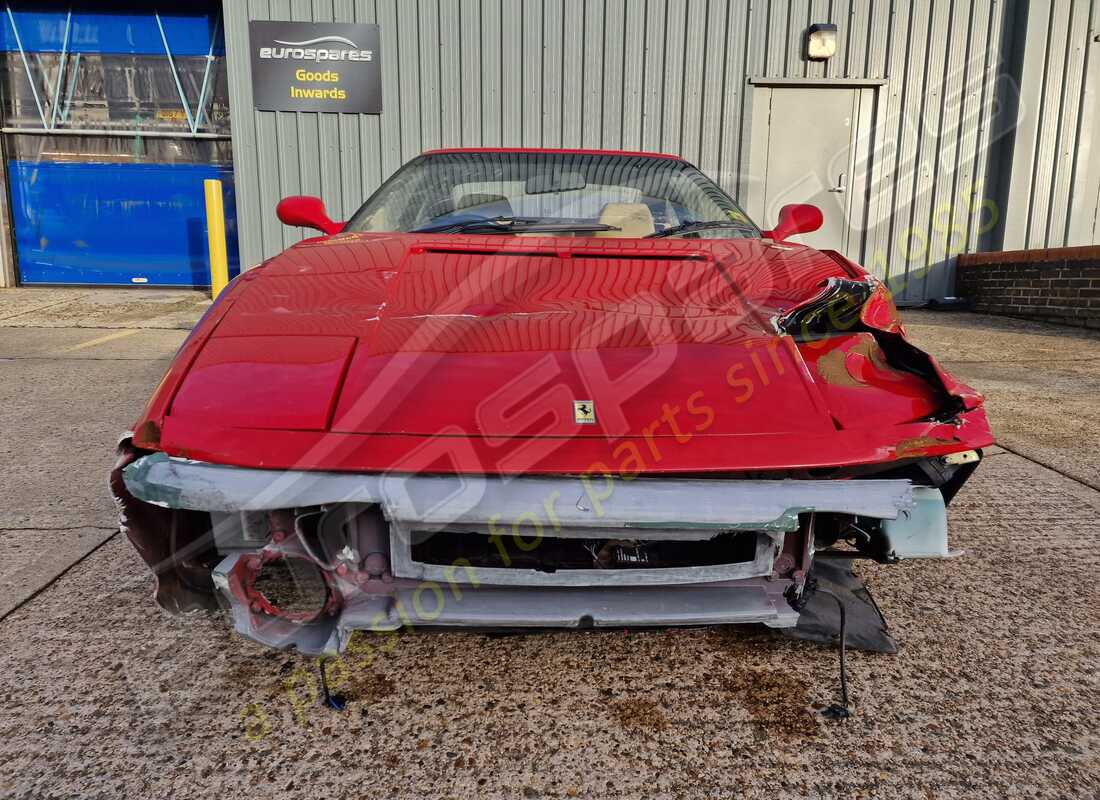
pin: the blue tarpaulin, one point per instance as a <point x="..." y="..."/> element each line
<point x="79" y="215"/>
<point x="134" y="32"/>
<point x="116" y="224"/>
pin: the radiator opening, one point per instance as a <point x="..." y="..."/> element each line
<point x="552" y="554"/>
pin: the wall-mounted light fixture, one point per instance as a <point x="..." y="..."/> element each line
<point x="821" y="41"/>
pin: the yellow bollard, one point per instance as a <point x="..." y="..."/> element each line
<point x="215" y="232"/>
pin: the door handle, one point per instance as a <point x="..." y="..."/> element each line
<point x="840" y="188"/>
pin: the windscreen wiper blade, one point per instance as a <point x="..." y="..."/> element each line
<point x="514" y="224"/>
<point x="502" y="223"/>
<point x="689" y="227"/>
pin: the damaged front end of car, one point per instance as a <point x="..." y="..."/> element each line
<point x="301" y="466"/>
<point x="303" y="559"/>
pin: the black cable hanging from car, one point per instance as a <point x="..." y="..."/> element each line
<point x="337" y="702"/>
<point x="839" y="711"/>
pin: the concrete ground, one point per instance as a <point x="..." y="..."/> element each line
<point x="994" y="692"/>
<point x="107" y="308"/>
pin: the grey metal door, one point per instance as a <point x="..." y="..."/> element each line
<point x="806" y="142"/>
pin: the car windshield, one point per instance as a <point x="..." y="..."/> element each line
<point x="553" y="194"/>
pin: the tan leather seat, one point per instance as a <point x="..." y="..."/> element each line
<point x="635" y="220"/>
<point x="480" y="200"/>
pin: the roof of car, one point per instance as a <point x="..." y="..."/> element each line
<point x="576" y="151"/>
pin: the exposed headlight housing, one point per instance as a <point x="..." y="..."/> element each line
<point x="843" y="306"/>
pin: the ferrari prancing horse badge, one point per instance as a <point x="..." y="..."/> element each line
<point x="584" y="412"/>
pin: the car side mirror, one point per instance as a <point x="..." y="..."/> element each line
<point x="302" y="211"/>
<point x="795" y="218"/>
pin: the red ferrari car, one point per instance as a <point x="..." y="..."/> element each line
<point x="541" y="388"/>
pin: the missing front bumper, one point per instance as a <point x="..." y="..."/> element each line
<point x="434" y="605"/>
<point x="366" y="529"/>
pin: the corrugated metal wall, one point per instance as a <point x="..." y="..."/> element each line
<point x="1050" y="184"/>
<point x="669" y="75"/>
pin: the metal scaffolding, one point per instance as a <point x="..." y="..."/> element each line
<point x="55" y="121"/>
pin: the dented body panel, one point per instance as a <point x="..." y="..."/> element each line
<point x="373" y="320"/>
<point x="679" y="424"/>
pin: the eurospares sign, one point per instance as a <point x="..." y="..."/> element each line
<point x="306" y="66"/>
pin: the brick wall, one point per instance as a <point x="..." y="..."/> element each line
<point x="1059" y="285"/>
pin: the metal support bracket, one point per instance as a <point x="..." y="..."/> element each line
<point x="27" y="67"/>
<point x="194" y="119"/>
